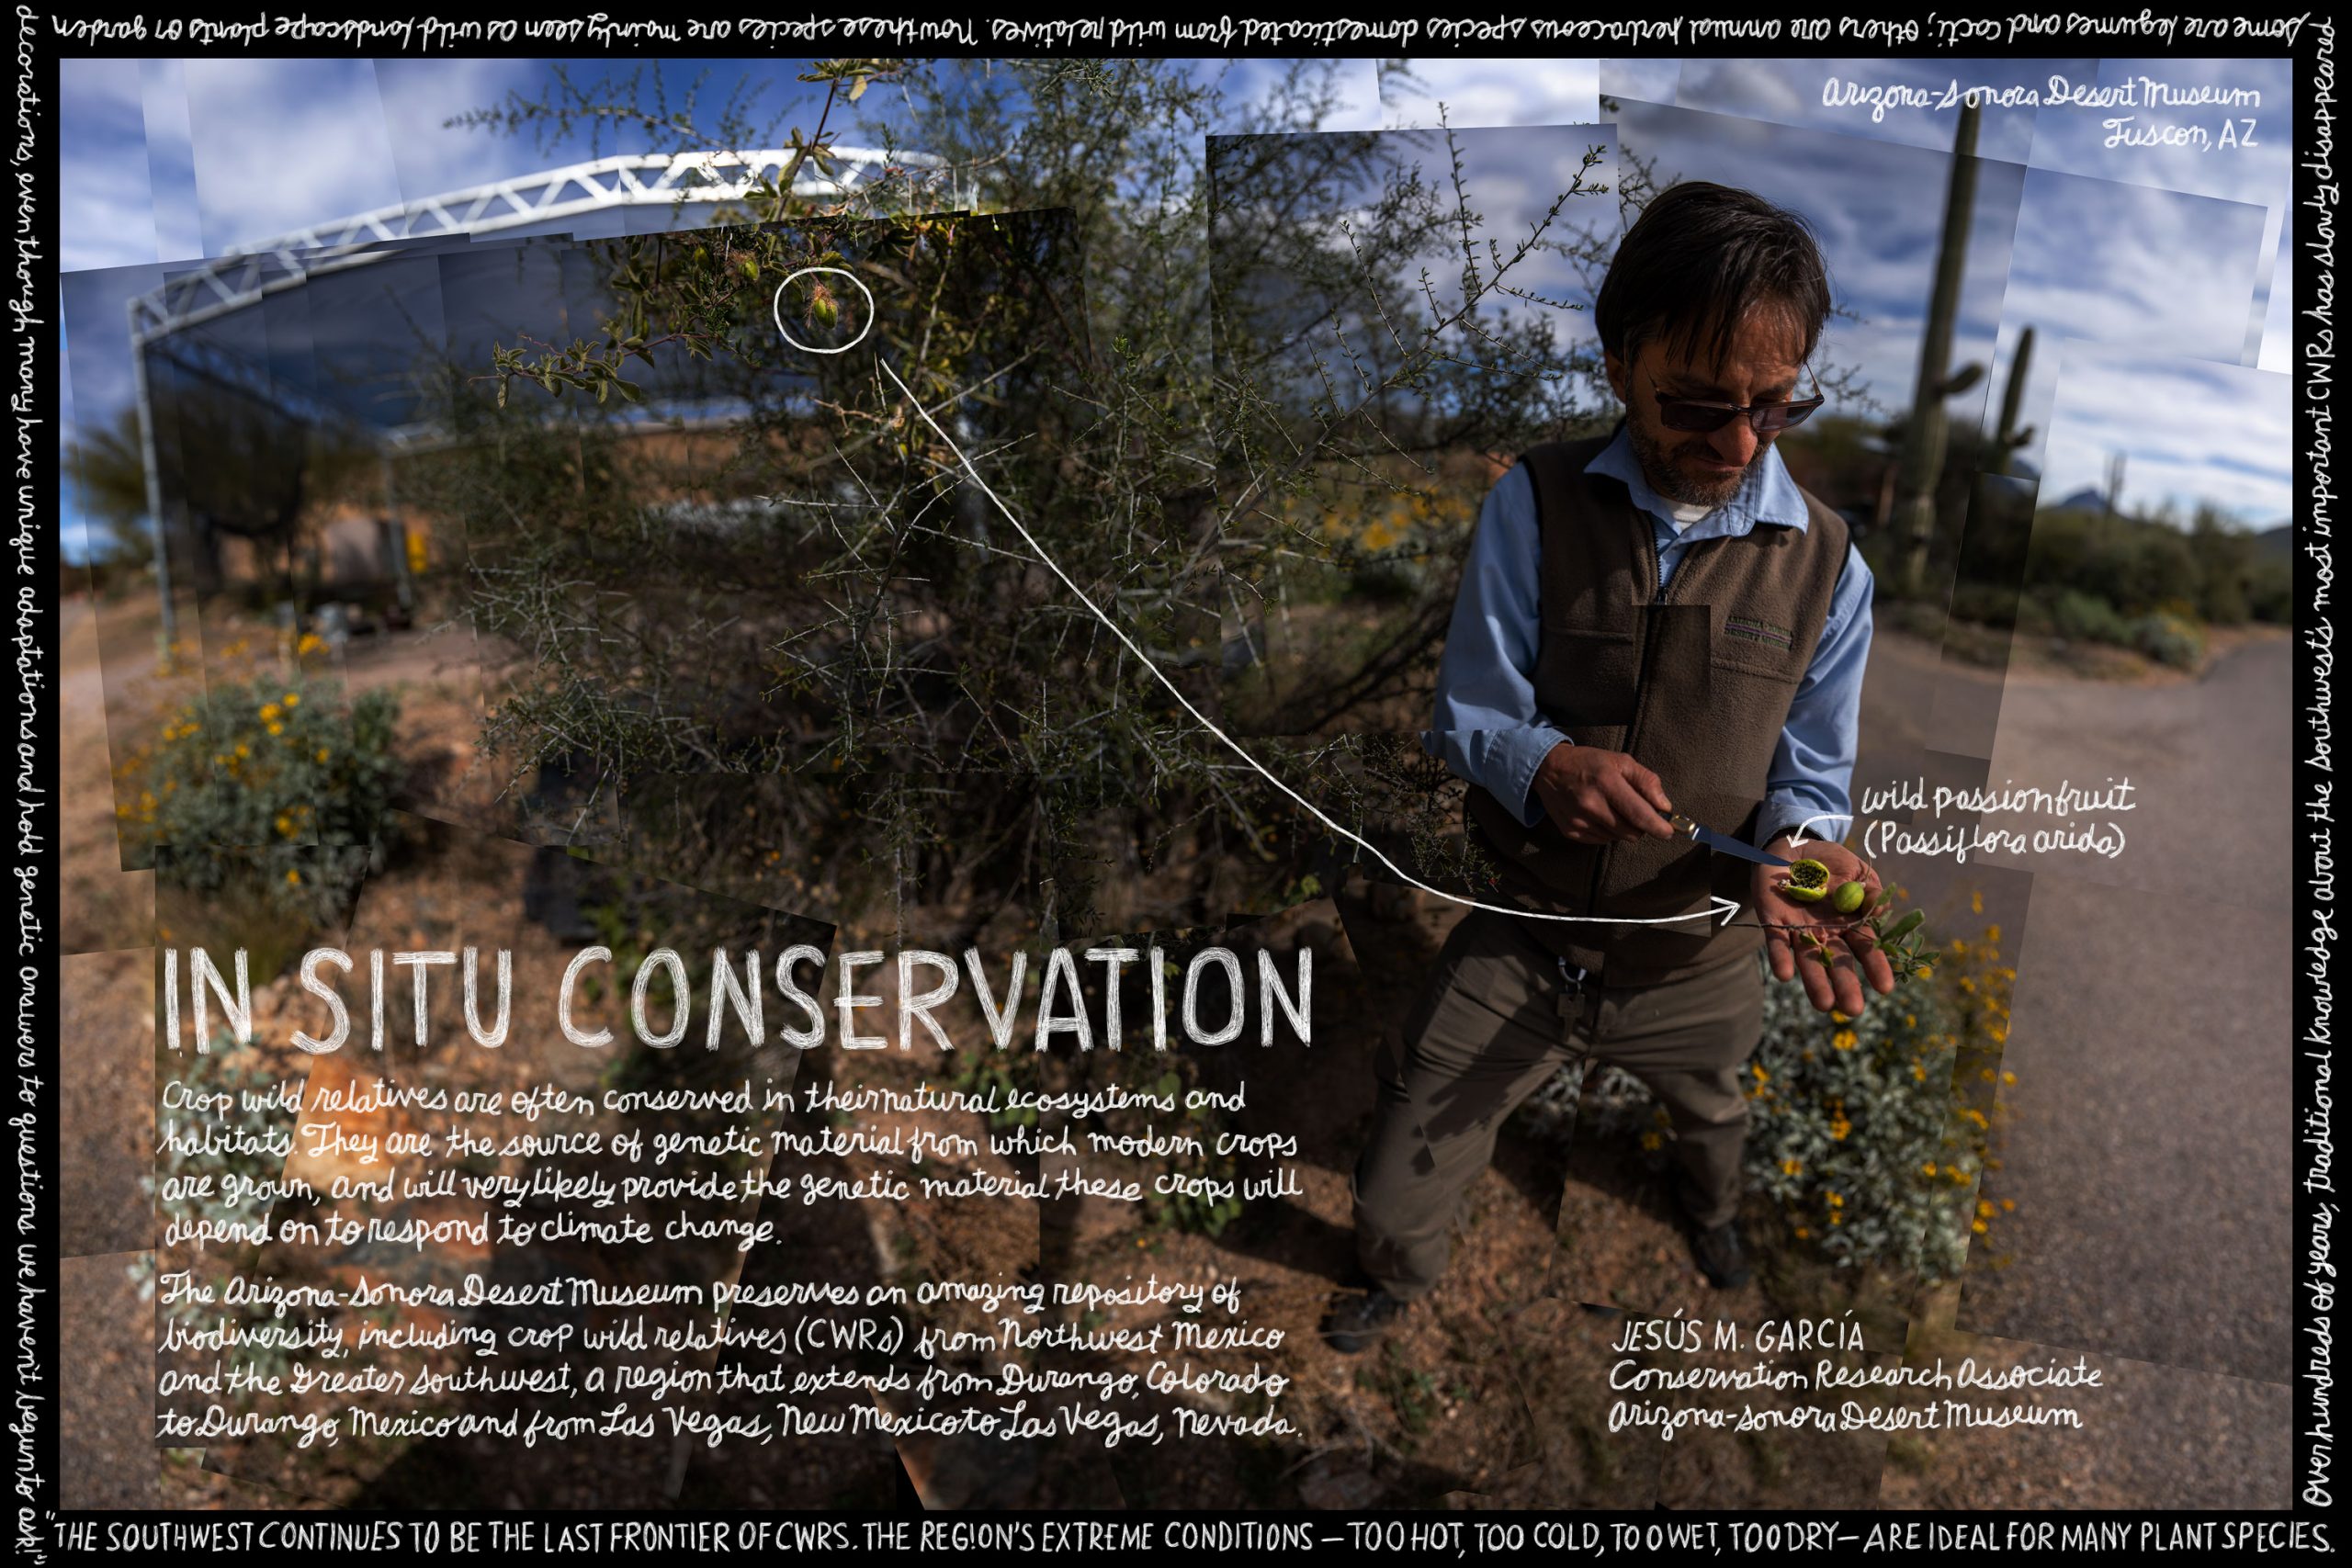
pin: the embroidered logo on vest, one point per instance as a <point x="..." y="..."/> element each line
<point x="1755" y="630"/>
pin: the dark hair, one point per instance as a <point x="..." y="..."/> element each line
<point x="1698" y="258"/>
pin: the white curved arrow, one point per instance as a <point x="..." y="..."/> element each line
<point x="1798" y="842"/>
<point x="1717" y="906"/>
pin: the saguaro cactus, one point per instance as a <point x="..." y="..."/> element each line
<point x="1924" y="433"/>
<point x="2007" y="439"/>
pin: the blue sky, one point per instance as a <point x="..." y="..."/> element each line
<point x="2179" y="254"/>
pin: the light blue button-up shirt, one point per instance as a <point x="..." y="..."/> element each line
<point x="1488" y="727"/>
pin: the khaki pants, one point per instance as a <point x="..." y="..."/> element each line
<point x="1499" y="1019"/>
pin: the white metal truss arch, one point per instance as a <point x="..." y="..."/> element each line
<point x="245" y="274"/>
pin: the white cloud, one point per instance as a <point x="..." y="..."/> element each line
<point x="171" y="159"/>
<point x="106" y="213"/>
<point x="1492" y="93"/>
<point x="433" y="158"/>
<point x="2169" y="272"/>
<point x="2189" y="432"/>
<point x="1246" y="84"/>
<point x="281" y="144"/>
<point x="1640" y="80"/>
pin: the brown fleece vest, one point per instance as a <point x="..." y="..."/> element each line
<point x="1694" y="681"/>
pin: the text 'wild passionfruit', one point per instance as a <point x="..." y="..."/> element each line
<point x="1806" y="882"/>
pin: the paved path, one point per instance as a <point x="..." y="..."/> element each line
<point x="2149" y="1150"/>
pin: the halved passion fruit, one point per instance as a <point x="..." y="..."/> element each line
<point x="1804" y="882"/>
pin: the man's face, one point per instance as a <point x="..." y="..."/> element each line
<point x="1762" y="367"/>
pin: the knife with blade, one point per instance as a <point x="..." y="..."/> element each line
<point x="1725" y="842"/>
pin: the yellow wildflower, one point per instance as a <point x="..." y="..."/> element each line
<point x="1845" y="1039"/>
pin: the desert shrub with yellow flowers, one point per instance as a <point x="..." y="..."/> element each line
<point x="275" y="764"/>
<point x="1871" y="1134"/>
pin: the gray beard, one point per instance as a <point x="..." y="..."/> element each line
<point x="1670" y="479"/>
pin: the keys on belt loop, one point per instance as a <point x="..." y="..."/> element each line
<point x="1573" y="981"/>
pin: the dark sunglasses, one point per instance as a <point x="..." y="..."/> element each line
<point x="1694" y="418"/>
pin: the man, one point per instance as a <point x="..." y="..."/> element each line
<point x="1659" y="621"/>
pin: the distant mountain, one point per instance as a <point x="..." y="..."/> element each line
<point x="2277" y="540"/>
<point x="2090" y="497"/>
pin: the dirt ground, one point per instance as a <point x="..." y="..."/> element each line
<point x="1493" y="1393"/>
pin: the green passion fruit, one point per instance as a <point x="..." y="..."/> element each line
<point x="1849" y="897"/>
<point x="1806" y="882"/>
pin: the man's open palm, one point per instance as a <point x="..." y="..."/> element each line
<point x="1791" y="925"/>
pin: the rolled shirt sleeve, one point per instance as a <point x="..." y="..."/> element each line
<point x="1813" y="767"/>
<point x="1485" y="723"/>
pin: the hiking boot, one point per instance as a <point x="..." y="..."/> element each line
<point x="1361" y="1319"/>
<point x="1717" y="1249"/>
<point x="1720" y="1256"/>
